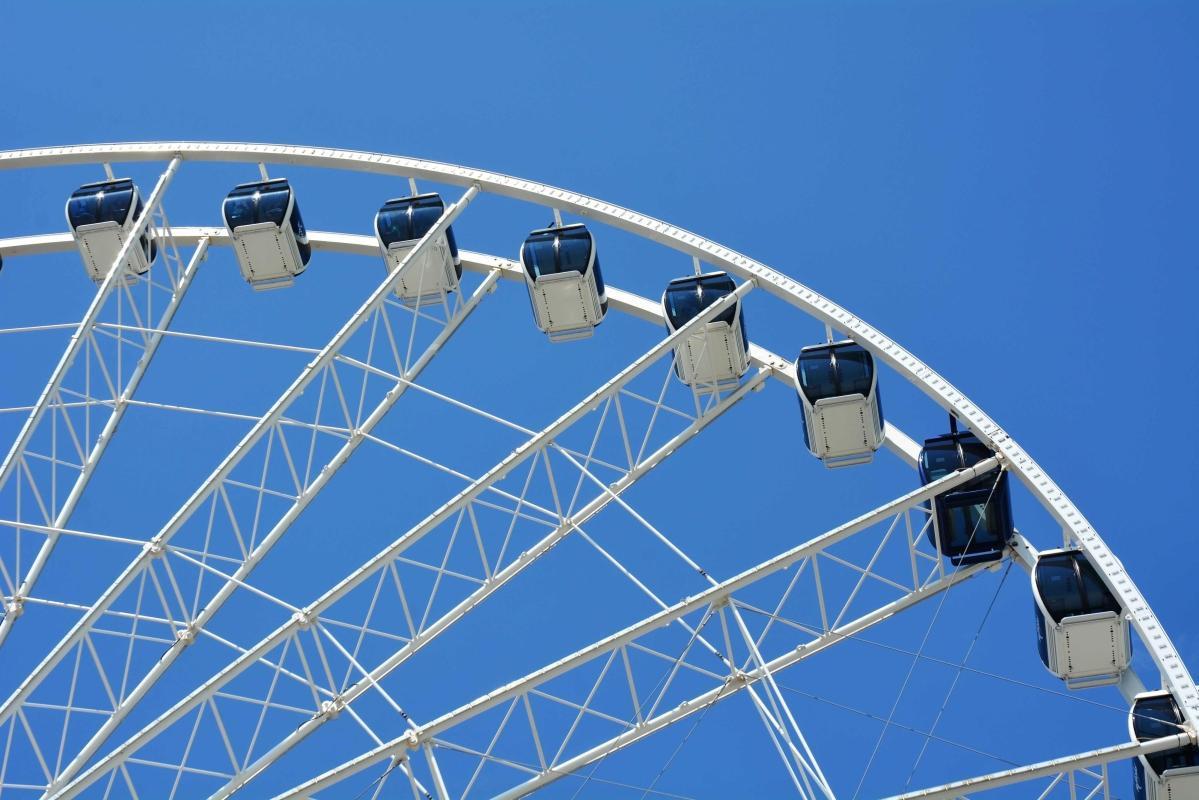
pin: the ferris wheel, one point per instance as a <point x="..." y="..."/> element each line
<point x="230" y="650"/>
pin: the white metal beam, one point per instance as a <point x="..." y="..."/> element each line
<point x="528" y="452"/>
<point x="212" y="486"/>
<point x="898" y="442"/>
<point x="110" y="289"/>
<point x="1174" y="671"/>
<point x="1045" y="769"/>
<point x="709" y="599"/>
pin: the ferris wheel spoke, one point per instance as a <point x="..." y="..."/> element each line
<point x="245" y="530"/>
<point x="1068" y="769"/>
<point x="63" y="439"/>
<point x="466" y="523"/>
<point x="577" y="676"/>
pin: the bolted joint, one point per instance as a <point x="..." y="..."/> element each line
<point x="304" y="618"/>
<point x="186" y="636"/>
<point x="155" y="548"/>
<point x="14" y="607"/>
<point x="331" y="708"/>
<point x="411" y="740"/>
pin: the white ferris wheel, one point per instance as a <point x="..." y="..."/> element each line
<point x="204" y="658"/>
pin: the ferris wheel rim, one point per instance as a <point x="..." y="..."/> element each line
<point x="1051" y="496"/>
<point x="1015" y="458"/>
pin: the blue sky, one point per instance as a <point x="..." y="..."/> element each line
<point x="1008" y="189"/>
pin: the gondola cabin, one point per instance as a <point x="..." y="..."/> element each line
<point x="714" y="356"/>
<point x="842" y="410"/>
<point x="566" y="287"/>
<point x="101" y="216"/>
<point x="1082" y="632"/>
<point x="1170" y="774"/>
<point x="973" y="521"/>
<point x="399" y="225"/>
<point x="268" y="233"/>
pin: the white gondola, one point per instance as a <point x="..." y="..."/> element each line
<point x="566" y="287"/>
<point x="1082" y="630"/>
<point x="399" y="225"/>
<point x="268" y="233"/>
<point x="842" y="410"/>
<point x="101" y="216"/>
<point x="1171" y="774"/>
<point x="715" y="356"/>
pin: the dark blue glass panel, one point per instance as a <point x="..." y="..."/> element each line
<point x="272" y="205"/>
<point x="263" y="201"/>
<point x="109" y="201"/>
<point x="835" y="370"/>
<point x="239" y="211"/>
<point x="1042" y="639"/>
<point x="1057" y="583"/>
<point x="687" y="297"/>
<point x="1158" y="716"/>
<point x="556" y="250"/>
<point x="817" y="375"/>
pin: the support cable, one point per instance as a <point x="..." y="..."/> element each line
<point x="957" y="676"/>
<point x="924" y="641"/>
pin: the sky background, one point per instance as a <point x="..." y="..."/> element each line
<point x="1008" y="189"/>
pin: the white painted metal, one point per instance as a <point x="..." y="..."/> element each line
<point x="890" y="352"/>
<point x="496" y="576"/>
<point x="431" y="275"/>
<point x="567" y="306"/>
<point x="1177" y="783"/>
<point x="843" y="431"/>
<point x="713" y="358"/>
<point x="268" y="254"/>
<point x="1085" y="650"/>
<point x="1045" y="769"/>
<point x="1160" y="648"/>
<point x="51" y="397"/>
<point x="706" y="602"/>
<point x="102" y="245"/>
<point x="212" y="487"/>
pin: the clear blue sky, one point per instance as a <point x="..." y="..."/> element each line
<point x="1008" y="189"/>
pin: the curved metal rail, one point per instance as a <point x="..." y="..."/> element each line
<point x="1174" y="673"/>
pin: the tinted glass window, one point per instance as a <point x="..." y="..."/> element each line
<point x="425" y="213"/>
<point x="687" y="297"/>
<point x="297" y="225"/>
<point x="394" y="222"/>
<point x="239" y="211"/>
<point x="115" y="205"/>
<point x="682" y="304"/>
<point x="556" y="250"/>
<point x="938" y="459"/>
<point x="83" y="210"/>
<point x="272" y="206"/>
<point x="101" y="202"/>
<point x="599" y="275"/>
<point x="855" y="370"/>
<point x="1155" y="717"/>
<point x="1097" y="596"/>
<point x="538" y="255"/>
<point x="574" y="250"/>
<point x="817" y="377"/>
<point x="1057" y="583"/>
<point x="257" y="202"/>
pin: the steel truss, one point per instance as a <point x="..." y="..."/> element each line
<point x="650" y="643"/>
<point x="470" y="513"/>
<point x="323" y="639"/>
<point x="60" y="444"/>
<point x="236" y="531"/>
<point x="1074" y="772"/>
